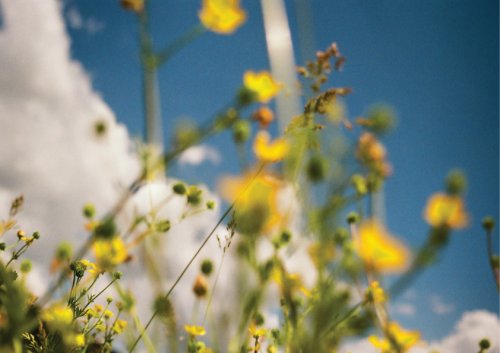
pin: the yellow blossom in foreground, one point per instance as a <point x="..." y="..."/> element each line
<point x="256" y="207"/>
<point x="379" y="250"/>
<point x="397" y="340"/>
<point x="375" y="293"/>
<point x="109" y="252"/>
<point x="446" y="210"/>
<point x="262" y="84"/>
<point x="91" y="267"/>
<point x="268" y="151"/>
<point x="58" y="316"/>
<point x="222" y="16"/>
<point x="195" y="330"/>
<point x="79" y="340"/>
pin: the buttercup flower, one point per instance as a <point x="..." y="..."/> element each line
<point x="195" y="330"/>
<point x="256" y="201"/>
<point x="268" y="151"/>
<point x="264" y="116"/>
<point x="109" y="252"/>
<point x="133" y="5"/>
<point x="379" y="250"/>
<point x="446" y="210"/>
<point x="397" y="340"/>
<point x="262" y="84"/>
<point x="222" y="16"/>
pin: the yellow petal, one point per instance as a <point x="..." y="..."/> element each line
<point x="446" y="210"/>
<point x="379" y="250"/>
<point x="268" y="151"/>
<point x="262" y="84"/>
<point x="222" y="16"/>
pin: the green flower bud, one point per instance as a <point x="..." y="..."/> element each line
<point x="179" y="189"/>
<point x="194" y="195"/>
<point x="340" y="236"/>
<point x="207" y="267"/>
<point x="484" y="344"/>
<point x="488" y="223"/>
<point x="163" y="226"/>
<point x="117" y="275"/>
<point x="89" y="211"/>
<point x="495" y="261"/>
<point x="246" y="97"/>
<point x="259" y="319"/>
<point x="316" y="168"/>
<point x="36" y="235"/>
<point x="380" y="120"/>
<point x="25" y="266"/>
<point x="2" y="246"/>
<point x="359" y="184"/>
<point x="352" y="217"/>
<point x="106" y="229"/>
<point x="64" y="251"/>
<point x="210" y="205"/>
<point x="456" y="182"/>
<point x="241" y="131"/>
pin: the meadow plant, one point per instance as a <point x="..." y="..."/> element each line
<point x="313" y="189"/>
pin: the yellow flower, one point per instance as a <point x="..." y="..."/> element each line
<point x="262" y="84"/>
<point x="109" y="252"/>
<point x="268" y="151"/>
<point x="119" y="326"/>
<point x="264" y="116"/>
<point x="290" y="282"/>
<point x="256" y="331"/>
<point x="79" y="340"/>
<point x="222" y="16"/>
<point x="256" y="199"/>
<point x="379" y="250"/>
<point x="195" y="330"/>
<point x="375" y="293"/>
<point x="446" y="210"/>
<point x="58" y="316"/>
<point x="91" y="267"/>
<point x="397" y="339"/>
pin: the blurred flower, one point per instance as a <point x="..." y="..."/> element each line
<point x="379" y="250"/>
<point x="200" y="286"/>
<point x="119" y="326"/>
<point x="90" y="267"/>
<point x="195" y="330"/>
<point x="262" y="84"/>
<point x="375" y="293"/>
<point x="222" y="16"/>
<point x="446" y="210"/>
<point x="133" y="5"/>
<point x="256" y="331"/>
<point x="264" y="116"/>
<point x="256" y="207"/>
<point x="268" y="151"/>
<point x="290" y="282"/>
<point x="58" y="316"/>
<point x="397" y="340"/>
<point x="109" y="252"/>
<point x="373" y="154"/>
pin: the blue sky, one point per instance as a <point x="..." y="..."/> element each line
<point x="435" y="62"/>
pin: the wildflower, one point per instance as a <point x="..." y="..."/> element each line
<point x="268" y="151"/>
<point x="95" y="311"/>
<point x="90" y="266"/>
<point x="290" y="282"/>
<point x="264" y="116"/>
<point x="109" y="252"/>
<point x="108" y="314"/>
<point x="256" y="331"/>
<point x="119" y="326"/>
<point x="397" y="340"/>
<point x="373" y="154"/>
<point x="379" y="250"/>
<point x="375" y="293"/>
<point x="256" y="199"/>
<point x="446" y="210"/>
<point x="262" y="84"/>
<point x="79" y="340"/>
<point x="221" y="16"/>
<point x="58" y="316"/>
<point x="241" y="130"/>
<point x="195" y="330"/>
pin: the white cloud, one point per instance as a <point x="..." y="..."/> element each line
<point x="470" y="329"/>
<point x="405" y="309"/>
<point x="47" y="112"/>
<point x="439" y="307"/>
<point x="199" y="154"/>
<point x="76" y="21"/>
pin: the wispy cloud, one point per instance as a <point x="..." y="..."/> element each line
<point x="77" y="22"/>
<point x="199" y="154"/>
<point x="438" y="306"/>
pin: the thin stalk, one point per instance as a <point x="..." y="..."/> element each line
<point x="180" y="43"/>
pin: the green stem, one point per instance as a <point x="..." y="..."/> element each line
<point x="169" y="51"/>
<point x="489" y="246"/>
